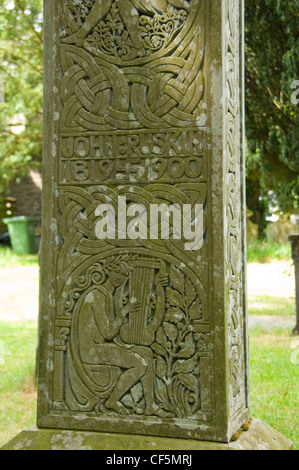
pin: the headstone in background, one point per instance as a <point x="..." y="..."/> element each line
<point x="279" y="232"/>
<point x="252" y="229"/>
<point x="141" y="338"/>
<point x="294" y="240"/>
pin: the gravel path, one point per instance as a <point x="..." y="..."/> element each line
<point x="277" y="279"/>
<point x="273" y="279"/>
<point x="19" y="293"/>
<point x="271" y="321"/>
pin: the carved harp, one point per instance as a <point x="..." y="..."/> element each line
<point x="141" y="284"/>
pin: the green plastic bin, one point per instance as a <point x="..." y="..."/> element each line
<point x="22" y="234"/>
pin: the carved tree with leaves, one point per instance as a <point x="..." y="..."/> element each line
<point x="177" y="359"/>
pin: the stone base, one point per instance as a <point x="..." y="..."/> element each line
<point x="259" y="436"/>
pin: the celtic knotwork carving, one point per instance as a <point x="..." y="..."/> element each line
<point x="101" y="94"/>
<point x="233" y="212"/>
<point x="78" y="221"/>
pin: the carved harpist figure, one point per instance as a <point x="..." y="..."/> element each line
<point x="103" y="313"/>
<point x="129" y="11"/>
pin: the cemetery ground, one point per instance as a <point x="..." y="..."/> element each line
<point x="274" y="356"/>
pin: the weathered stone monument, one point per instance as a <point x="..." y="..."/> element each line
<point x="294" y="240"/>
<point x="143" y="326"/>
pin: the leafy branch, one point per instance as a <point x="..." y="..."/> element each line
<point x="30" y="23"/>
<point x="177" y="357"/>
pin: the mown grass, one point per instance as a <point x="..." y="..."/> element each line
<point x="265" y="252"/>
<point x="274" y="378"/>
<point x="9" y="259"/>
<point x="18" y="342"/>
<point x="268" y="305"/>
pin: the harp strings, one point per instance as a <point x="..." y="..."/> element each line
<point x="141" y="281"/>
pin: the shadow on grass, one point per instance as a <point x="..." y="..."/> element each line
<point x="271" y="305"/>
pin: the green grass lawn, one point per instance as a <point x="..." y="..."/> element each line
<point x="264" y="252"/>
<point x="9" y="259"/>
<point x="271" y="305"/>
<point x="18" y="343"/>
<point x="274" y="377"/>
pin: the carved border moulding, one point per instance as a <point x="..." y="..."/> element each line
<point x="140" y="335"/>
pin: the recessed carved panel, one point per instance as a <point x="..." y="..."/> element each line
<point x="134" y="312"/>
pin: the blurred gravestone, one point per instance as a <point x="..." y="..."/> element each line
<point x="144" y="335"/>
<point x="294" y="240"/>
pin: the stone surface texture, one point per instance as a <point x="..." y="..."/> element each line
<point x="260" y="436"/>
<point x="143" y="106"/>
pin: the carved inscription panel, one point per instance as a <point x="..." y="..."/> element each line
<point x="133" y="344"/>
<point x="132" y="92"/>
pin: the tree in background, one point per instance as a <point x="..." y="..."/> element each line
<point x="272" y="117"/>
<point x="21" y="77"/>
<point x="272" y="122"/>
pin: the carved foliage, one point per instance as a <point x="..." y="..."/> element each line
<point x="176" y="350"/>
<point x="111" y="37"/>
<point x="78" y="11"/>
<point x="234" y="196"/>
